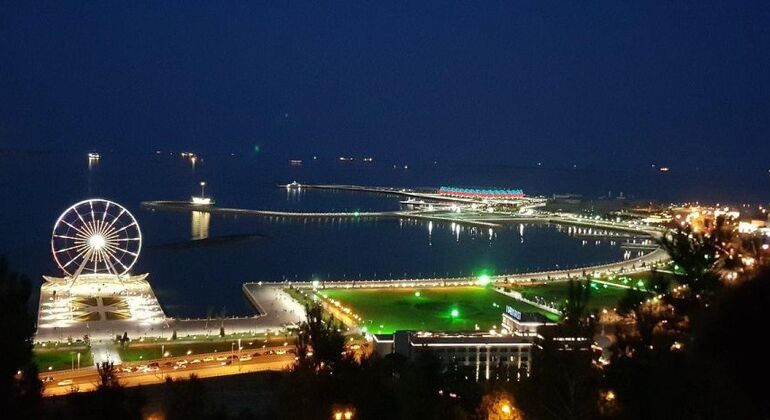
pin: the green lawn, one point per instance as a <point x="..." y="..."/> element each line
<point x="388" y="310"/>
<point x="153" y="349"/>
<point x="602" y="296"/>
<point x="61" y="357"/>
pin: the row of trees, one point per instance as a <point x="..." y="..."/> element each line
<point x="693" y="349"/>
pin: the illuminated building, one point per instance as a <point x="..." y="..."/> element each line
<point x="480" y="352"/>
<point x="481" y="194"/>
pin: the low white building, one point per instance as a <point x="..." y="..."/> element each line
<point x="482" y="353"/>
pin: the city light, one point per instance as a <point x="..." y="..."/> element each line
<point x="484" y="279"/>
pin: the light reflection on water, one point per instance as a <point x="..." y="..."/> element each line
<point x="190" y="279"/>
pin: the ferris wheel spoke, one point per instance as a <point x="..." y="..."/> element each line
<point x="122" y="211"/>
<point x="69" y="248"/>
<point x="128" y="252"/>
<point x="125" y="227"/>
<point x="88" y="228"/>
<point x="106" y="210"/>
<point x="66" y="237"/>
<point x="93" y="216"/>
<point x="119" y="262"/>
<point x="79" y="216"/>
<point x="75" y="258"/>
<point x="111" y="234"/>
<point x="76" y="228"/>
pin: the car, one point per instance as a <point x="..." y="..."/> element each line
<point x="126" y="370"/>
<point x="47" y="379"/>
<point x="65" y="382"/>
<point x="154" y="364"/>
<point x="221" y="358"/>
<point x="280" y="352"/>
<point x="208" y="359"/>
<point x="245" y="358"/>
<point x="196" y="361"/>
<point x="168" y="364"/>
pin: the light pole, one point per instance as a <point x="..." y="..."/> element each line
<point x="78" y="360"/>
<point x="239" y="355"/>
<point x="203" y="188"/>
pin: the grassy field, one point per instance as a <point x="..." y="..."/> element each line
<point x="602" y="296"/>
<point x="153" y="349"/>
<point x="61" y="357"/>
<point x="429" y="309"/>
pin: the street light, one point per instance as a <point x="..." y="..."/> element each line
<point x="203" y="187"/>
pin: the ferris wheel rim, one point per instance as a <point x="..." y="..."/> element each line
<point x="107" y="237"/>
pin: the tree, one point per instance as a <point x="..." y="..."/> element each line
<point x="499" y="405"/>
<point x="184" y="399"/>
<point x="564" y="383"/>
<point x="108" y="375"/>
<point x="325" y="338"/>
<point x="20" y="389"/>
<point x="575" y="316"/>
<point x="110" y="400"/>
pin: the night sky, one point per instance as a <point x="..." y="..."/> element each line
<point x="593" y="83"/>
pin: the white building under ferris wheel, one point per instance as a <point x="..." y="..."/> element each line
<point x="95" y="243"/>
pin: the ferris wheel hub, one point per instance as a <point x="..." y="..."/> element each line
<point x="97" y="242"/>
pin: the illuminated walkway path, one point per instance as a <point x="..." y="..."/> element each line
<point x="644" y="263"/>
<point x="404" y="214"/>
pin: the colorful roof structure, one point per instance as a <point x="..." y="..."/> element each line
<point x="481" y="193"/>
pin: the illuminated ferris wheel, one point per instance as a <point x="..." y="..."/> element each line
<point x="96" y="237"/>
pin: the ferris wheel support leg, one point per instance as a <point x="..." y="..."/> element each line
<point x="86" y="259"/>
<point x="109" y="263"/>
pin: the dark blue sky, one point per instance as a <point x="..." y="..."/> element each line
<point x="512" y="82"/>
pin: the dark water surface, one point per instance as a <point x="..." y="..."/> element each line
<point x="191" y="277"/>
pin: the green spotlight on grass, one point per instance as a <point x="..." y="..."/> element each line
<point x="417" y="293"/>
<point x="455" y="313"/>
